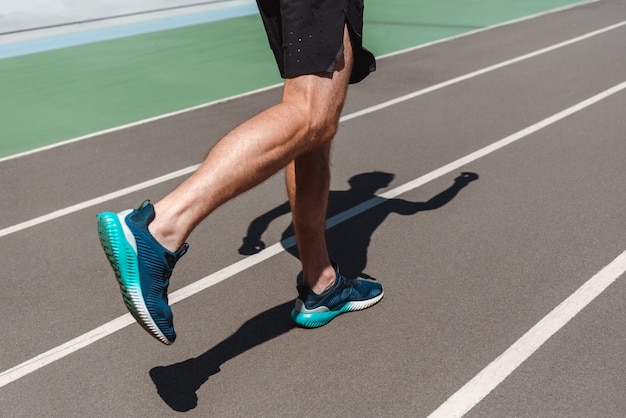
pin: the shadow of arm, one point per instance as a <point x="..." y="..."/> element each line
<point x="404" y="207"/>
<point x="252" y="242"/>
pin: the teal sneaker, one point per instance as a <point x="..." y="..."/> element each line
<point x="142" y="267"/>
<point x="346" y="295"/>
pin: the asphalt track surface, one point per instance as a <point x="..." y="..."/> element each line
<point x="504" y="296"/>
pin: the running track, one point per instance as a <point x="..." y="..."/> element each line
<point x="504" y="296"/>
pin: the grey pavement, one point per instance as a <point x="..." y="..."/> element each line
<point x="468" y="268"/>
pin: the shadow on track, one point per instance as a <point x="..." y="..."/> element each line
<point x="177" y="383"/>
<point x="349" y="242"/>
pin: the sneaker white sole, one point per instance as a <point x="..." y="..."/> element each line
<point x="122" y="255"/>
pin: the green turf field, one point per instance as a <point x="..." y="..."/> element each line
<point x="62" y="94"/>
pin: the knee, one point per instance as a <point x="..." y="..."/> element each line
<point x="318" y="109"/>
<point x="321" y="125"/>
<point x="324" y="130"/>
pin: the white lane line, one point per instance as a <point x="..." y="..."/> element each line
<point x="389" y="103"/>
<point x="201" y="106"/>
<point x="491" y="376"/>
<point x="134" y="124"/>
<point x="25" y="28"/>
<point x="84" y="340"/>
<point x="63" y="350"/>
<point x="96" y="201"/>
<point x="98" y="30"/>
<point x="484" y="71"/>
<point x="488" y="28"/>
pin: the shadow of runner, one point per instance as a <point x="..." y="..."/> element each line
<point x="350" y="246"/>
<point x="177" y="383"/>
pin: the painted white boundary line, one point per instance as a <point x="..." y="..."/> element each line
<point x="96" y="201"/>
<point x="82" y="22"/>
<point x="497" y="25"/>
<point x="84" y="340"/>
<point x="491" y="376"/>
<point x="201" y="106"/>
<point x="484" y="71"/>
<point x="80" y="206"/>
<point x="138" y="123"/>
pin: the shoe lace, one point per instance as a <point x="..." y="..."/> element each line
<point x="345" y="283"/>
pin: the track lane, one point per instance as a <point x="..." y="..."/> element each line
<point x="394" y="253"/>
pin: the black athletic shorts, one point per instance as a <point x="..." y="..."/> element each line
<point x="307" y="35"/>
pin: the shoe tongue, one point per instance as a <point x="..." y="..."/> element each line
<point x="147" y="211"/>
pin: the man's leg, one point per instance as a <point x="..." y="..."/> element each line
<point x="324" y="292"/>
<point x="308" y="182"/>
<point x="305" y="121"/>
<point x="143" y="245"/>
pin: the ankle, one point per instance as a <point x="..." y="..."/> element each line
<point x="165" y="233"/>
<point x="323" y="281"/>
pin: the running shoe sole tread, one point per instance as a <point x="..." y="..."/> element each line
<point x="123" y="260"/>
<point x="318" y="319"/>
